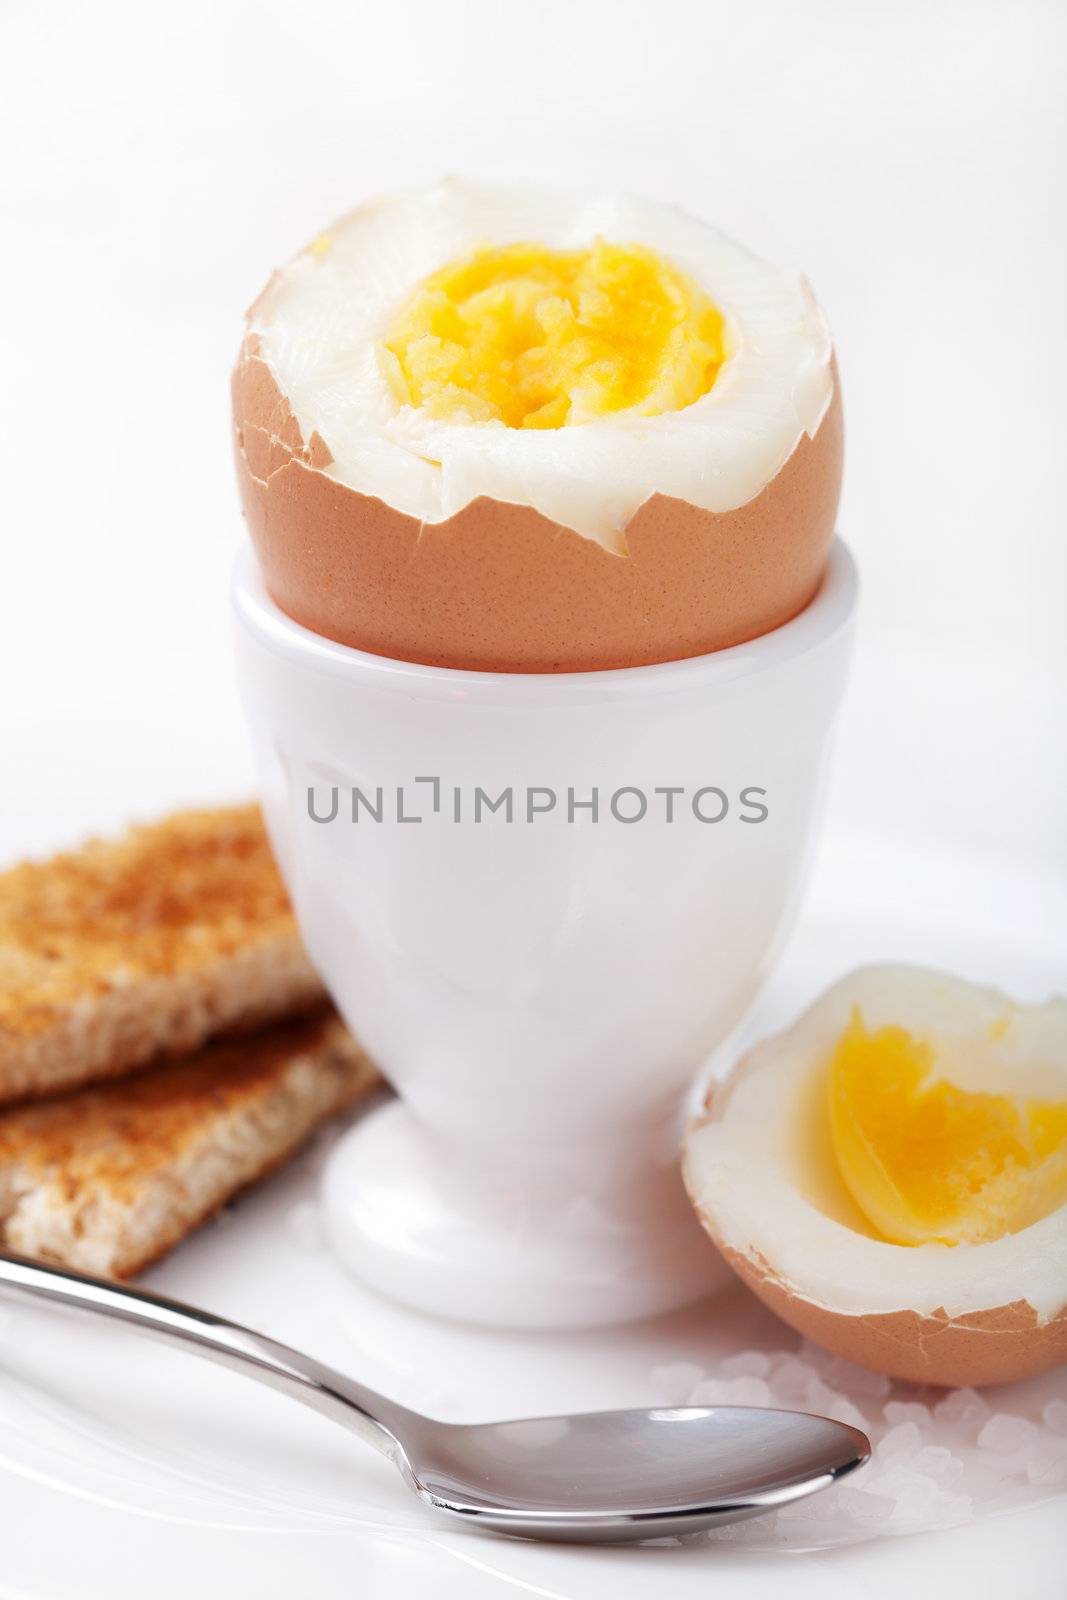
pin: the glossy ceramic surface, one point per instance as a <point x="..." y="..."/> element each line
<point x="127" y="1468"/>
<point x="538" y="981"/>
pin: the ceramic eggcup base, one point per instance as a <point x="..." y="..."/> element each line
<point x="538" y="978"/>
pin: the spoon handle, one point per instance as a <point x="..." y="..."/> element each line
<point x="369" y="1415"/>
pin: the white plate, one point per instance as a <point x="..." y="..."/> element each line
<point x="124" y="1465"/>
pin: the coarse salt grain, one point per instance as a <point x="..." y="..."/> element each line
<point x="672" y="1382"/>
<point x="749" y="1364"/>
<point x="1047" y="1468"/>
<point x="940" y="1463"/>
<point x="895" y="1411"/>
<point x="904" y="1439"/>
<point x="791" y="1382"/>
<point x="964" y="1408"/>
<point x="1005" y="1434"/>
<point x="730" y="1392"/>
<point x="1054" y="1416"/>
<point x="866" y="1508"/>
<point x="926" y="1471"/>
<point x="856" y="1381"/>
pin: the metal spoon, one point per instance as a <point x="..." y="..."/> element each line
<point x="601" y="1476"/>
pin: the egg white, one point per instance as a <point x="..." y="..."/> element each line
<point x="321" y="320"/>
<point x="741" y="1166"/>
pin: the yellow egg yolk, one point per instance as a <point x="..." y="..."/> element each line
<point x="540" y="338"/>
<point x="926" y="1160"/>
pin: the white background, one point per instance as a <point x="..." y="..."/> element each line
<point x="160" y="160"/>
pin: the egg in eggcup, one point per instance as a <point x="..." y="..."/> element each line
<point x="541" y="493"/>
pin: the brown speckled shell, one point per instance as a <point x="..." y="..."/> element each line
<point x="995" y="1346"/>
<point x="498" y="587"/>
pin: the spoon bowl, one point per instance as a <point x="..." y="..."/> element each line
<point x="610" y="1476"/>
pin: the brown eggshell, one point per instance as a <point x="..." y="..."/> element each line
<point x="995" y="1346"/>
<point x="499" y="587"/>
<point x="998" y="1345"/>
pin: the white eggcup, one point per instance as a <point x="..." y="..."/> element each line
<point x="540" y="902"/>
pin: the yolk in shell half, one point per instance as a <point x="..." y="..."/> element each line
<point x="926" y="1160"/>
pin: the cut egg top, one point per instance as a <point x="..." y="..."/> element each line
<point x="890" y="1175"/>
<point x="577" y="356"/>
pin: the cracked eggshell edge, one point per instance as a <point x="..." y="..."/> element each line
<point x="974" y="1347"/>
<point x="499" y="587"/>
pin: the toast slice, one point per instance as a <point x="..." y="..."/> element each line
<point x="122" y="951"/>
<point x="109" y="1178"/>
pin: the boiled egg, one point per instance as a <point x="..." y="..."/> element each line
<point x="503" y="428"/>
<point x="890" y="1176"/>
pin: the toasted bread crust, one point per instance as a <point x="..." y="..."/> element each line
<point x="108" y="1179"/>
<point x="147" y="946"/>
